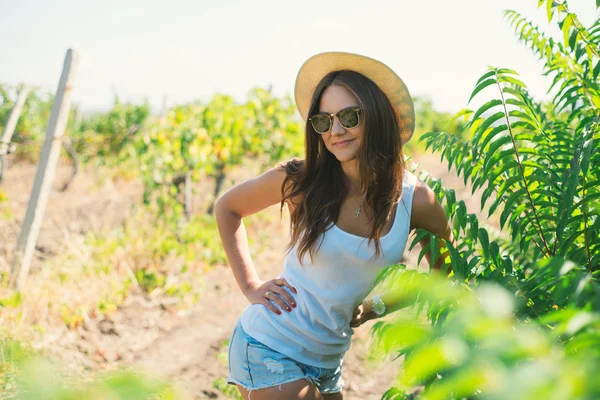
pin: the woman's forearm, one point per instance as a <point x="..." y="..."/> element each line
<point x="235" y="243"/>
<point x="393" y="302"/>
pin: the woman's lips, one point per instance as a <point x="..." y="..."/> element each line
<point x="342" y="143"/>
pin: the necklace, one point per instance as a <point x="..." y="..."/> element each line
<point x="357" y="211"/>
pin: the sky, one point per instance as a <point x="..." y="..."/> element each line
<point x="189" y="50"/>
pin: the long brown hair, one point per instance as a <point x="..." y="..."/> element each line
<point x="320" y="178"/>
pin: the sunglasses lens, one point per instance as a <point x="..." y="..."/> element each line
<point x="348" y="118"/>
<point x="321" y="123"/>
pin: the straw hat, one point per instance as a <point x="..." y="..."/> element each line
<point x="318" y="66"/>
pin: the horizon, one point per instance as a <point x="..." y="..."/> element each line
<point x="189" y="51"/>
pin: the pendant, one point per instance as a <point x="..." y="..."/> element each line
<point x="357" y="212"/>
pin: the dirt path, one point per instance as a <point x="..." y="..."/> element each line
<point x="84" y="207"/>
<point x="186" y="347"/>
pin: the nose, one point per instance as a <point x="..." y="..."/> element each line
<point x="337" y="128"/>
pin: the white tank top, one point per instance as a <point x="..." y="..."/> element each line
<point x="317" y="332"/>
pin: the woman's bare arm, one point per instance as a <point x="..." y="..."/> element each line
<point x="427" y="213"/>
<point x="242" y="200"/>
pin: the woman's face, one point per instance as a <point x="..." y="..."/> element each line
<point x="343" y="143"/>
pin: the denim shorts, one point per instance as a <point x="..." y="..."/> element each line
<point x="254" y="366"/>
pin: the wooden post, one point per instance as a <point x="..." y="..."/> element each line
<point x="13" y="118"/>
<point x="45" y="173"/>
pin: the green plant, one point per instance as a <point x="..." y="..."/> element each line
<point x="429" y="119"/>
<point x="220" y="383"/>
<point x="538" y="165"/>
<point x="5" y="209"/>
<point x="477" y="348"/>
<point x="31" y="126"/>
<point x="208" y="140"/>
<point x="228" y="390"/>
<point x="26" y="374"/>
<point x="104" y="136"/>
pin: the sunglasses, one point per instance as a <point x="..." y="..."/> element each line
<point x="348" y="117"/>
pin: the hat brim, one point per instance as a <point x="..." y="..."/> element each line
<point x="318" y="66"/>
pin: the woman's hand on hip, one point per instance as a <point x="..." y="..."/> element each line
<point x="256" y="293"/>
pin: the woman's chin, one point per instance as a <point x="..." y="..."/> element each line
<point x="343" y="157"/>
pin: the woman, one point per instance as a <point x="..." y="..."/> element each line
<point x="351" y="188"/>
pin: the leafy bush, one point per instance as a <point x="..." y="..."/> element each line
<point x="208" y="140"/>
<point x="31" y="127"/>
<point x="105" y="135"/>
<point x="539" y="168"/>
<point x="428" y="119"/>
<point x="476" y="348"/>
<point x="25" y="374"/>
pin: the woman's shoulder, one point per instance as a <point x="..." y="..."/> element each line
<point x="427" y="212"/>
<point x="422" y="194"/>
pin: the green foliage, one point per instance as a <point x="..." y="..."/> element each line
<point x="31" y="127"/>
<point x="105" y="135"/>
<point x="538" y="166"/>
<point x="228" y="390"/>
<point x="208" y="140"/>
<point x="5" y="209"/>
<point x="12" y="353"/>
<point x="430" y="120"/>
<point x="26" y="374"/>
<point x="159" y="254"/>
<point x="14" y="300"/>
<point x="543" y="173"/>
<point x="481" y="350"/>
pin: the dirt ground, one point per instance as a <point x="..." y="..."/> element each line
<point x="148" y="332"/>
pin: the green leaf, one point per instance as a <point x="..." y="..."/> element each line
<point x="480" y="87"/>
<point x="434" y="249"/>
<point x="520" y="194"/>
<point x="484" y="241"/>
<point x="485" y="107"/>
<point x="517" y="103"/>
<point x="421" y="234"/>
<point x="510" y="79"/>
<point x="13" y="301"/>
<point x="507" y="71"/>
<point x="423" y="252"/>
<point x="494" y="135"/>
<point x="456" y="261"/>
<point x="502" y="157"/>
<point x="588" y="147"/>
<point x="573" y="38"/>
<point x="501" y="169"/>
<point x="566" y="204"/>
<point x="486" y="124"/>
<point x="507" y="184"/>
<point x="514" y="92"/>
<point x="523" y="116"/>
<point x="566" y="26"/>
<point x="597" y="69"/>
<point x="485" y="76"/>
